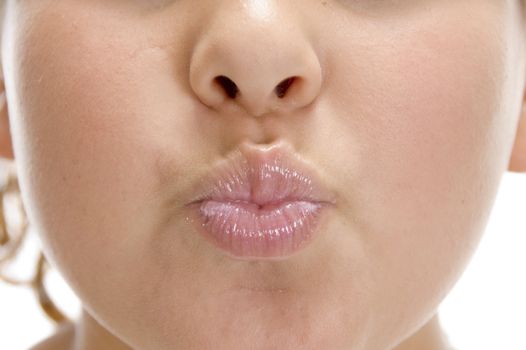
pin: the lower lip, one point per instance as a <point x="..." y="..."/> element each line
<point x="248" y="231"/>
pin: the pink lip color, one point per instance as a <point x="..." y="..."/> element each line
<point x="260" y="204"/>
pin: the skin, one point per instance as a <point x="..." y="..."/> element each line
<point x="411" y="110"/>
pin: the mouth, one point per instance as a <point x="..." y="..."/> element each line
<point x="260" y="204"/>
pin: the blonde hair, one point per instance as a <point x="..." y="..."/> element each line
<point x="10" y="247"/>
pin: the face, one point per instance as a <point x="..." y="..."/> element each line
<point x="407" y="110"/>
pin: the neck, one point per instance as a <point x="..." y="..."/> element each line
<point x="429" y="337"/>
<point x="88" y="334"/>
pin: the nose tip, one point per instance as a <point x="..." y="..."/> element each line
<point x="260" y="67"/>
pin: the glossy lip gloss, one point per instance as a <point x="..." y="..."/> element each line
<point x="260" y="204"/>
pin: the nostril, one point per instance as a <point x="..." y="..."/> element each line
<point x="282" y="87"/>
<point x="228" y="85"/>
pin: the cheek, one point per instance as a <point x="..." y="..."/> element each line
<point x="94" y="126"/>
<point x="428" y="132"/>
<point x="441" y="141"/>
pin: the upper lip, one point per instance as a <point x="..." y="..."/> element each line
<point x="273" y="174"/>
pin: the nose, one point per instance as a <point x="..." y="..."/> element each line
<point x="255" y="57"/>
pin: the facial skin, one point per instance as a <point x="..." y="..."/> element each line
<point x="410" y="110"/>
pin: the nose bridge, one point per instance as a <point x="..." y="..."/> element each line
<point x="253" y="54"/>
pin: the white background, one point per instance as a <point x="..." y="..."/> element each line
<point x="486" y="310"/>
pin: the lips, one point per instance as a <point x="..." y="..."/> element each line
<point x="260" y="203"/>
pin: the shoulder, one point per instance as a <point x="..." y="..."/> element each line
<point x="62" y="339"/>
